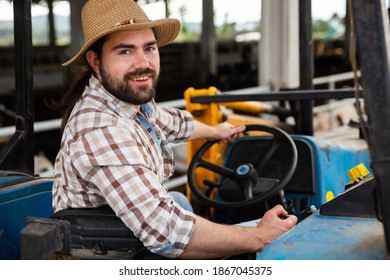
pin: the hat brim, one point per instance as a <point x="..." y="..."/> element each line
<point x="165" y="30"/>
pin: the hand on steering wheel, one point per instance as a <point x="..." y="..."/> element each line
<point x="244" y="177"/>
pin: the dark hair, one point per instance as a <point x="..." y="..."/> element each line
<point x="76" y="89"/>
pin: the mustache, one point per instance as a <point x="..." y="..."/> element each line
<point x="140" y="72"/>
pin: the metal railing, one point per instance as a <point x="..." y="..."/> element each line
<point x="333" y="105"/>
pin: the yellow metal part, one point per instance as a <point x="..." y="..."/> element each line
<point x="359" y="171"/>
<point x="209" y="114"/>
<point x="250" y="107"/>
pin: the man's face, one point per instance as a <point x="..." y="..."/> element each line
<point x="129" y="66"/>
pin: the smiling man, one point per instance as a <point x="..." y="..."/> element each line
<point x="130" y="67"/>
<point x="115" y="144"/>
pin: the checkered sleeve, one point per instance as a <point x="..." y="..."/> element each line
<point x="114" y="161"/>
<point x="177" y="125"/>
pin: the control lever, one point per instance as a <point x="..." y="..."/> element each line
<point x="308" y="211"/>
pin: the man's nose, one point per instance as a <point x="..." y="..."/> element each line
<point x="140" y="60"/>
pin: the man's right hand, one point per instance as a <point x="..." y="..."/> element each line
<point x="274" y="223"/>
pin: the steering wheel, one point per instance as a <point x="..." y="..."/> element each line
<point x="243" y="179"/>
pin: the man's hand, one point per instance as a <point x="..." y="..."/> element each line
<point x="224" y="132"/>
<point x="274" y="223"/>
<point x="211" y="240"/>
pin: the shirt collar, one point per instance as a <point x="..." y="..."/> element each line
<point x="147" y="109"/>
<point x="125" y="108"/>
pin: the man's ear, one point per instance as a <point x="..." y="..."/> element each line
<point x="93" y="61"/>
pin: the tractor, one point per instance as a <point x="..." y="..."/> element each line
<point x="336" y="186"/>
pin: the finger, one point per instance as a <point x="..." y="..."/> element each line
<point x="279" y="210"/>
<point x="293" y="218"/>
<point x="238" y="129"/>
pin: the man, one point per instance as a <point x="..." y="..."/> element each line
<point x="115" y="150"/>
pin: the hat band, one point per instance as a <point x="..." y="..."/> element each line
<point x="128" y="22"/>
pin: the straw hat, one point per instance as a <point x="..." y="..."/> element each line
<point x="102" y="17"/>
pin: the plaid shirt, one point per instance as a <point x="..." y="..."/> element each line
<point x="108" y="157"/>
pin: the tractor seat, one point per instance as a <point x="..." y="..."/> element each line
<point x="87" y="233"/>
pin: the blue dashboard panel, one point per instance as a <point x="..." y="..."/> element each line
<point x="322" y="167"/>
<point x="21" y="197"/>
<point x="329" y="163"/>
<point x="330" y="238"/>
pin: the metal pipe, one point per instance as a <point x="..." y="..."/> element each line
<point x="305" y="107"/>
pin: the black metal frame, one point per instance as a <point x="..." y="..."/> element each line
<point x="375" y="72"/>
<point x="18" y="153"/>
<point x="290" y="95"/>
<point x="306" y="67"/>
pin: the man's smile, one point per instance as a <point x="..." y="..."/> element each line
<point x="139" y="78"/>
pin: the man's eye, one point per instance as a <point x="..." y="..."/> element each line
<point x="125" y="52"/>
<point x="150" y="49"/>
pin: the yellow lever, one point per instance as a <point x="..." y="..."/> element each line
<point x="357" y="172"/>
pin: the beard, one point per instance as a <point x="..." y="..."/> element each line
<point x="122" y="90"/>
